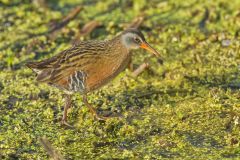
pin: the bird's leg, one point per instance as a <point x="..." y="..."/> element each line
<point x="66" y="107"/>
<point x="92" y="110"/>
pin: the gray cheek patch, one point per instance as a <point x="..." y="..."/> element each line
<point x="128" y="41"/>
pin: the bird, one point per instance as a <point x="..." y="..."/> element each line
<point x="89" y="65"/>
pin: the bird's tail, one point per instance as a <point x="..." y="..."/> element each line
<point x="43" y="74"/>
<point x="34" y="66"/>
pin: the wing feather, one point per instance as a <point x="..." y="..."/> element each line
<point x="77" y="58"/>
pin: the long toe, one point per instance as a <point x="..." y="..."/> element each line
<point x="101" y="118"/>
<point x="65" y="123"/>
<point x="104" y="118"/>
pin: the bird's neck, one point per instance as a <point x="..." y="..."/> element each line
<point x="119" y="55"/>
<point x="119" y="49"/>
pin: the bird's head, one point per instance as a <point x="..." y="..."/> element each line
<point x="134" y="39"/>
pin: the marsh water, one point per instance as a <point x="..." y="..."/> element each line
<point x="185" y="106"/>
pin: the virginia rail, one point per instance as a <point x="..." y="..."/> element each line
<point x="88" y="65"/>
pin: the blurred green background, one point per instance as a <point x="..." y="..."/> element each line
<point x="186" y="108"/>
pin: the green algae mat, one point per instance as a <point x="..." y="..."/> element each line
<point x="186" y="106"/>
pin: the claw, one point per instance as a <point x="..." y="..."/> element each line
<point x="101" y="118"/>
<point x="65" y="123"/>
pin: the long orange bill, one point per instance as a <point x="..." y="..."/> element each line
<point x="146" y="46"/>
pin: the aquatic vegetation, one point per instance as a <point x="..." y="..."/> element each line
<point x="187" y="107"/>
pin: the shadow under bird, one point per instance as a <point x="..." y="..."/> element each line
<point x="89" y="65"/>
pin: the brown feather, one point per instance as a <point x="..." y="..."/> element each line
<point x="100" y="60"/>
<point x="44" y="75"/>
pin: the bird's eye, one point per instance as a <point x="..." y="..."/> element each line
<point x="137" y="40"/>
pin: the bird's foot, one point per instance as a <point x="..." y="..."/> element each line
<point x="104" y="118"/>
<point x="101" y="118"/>
<point x="65" y="123"/>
